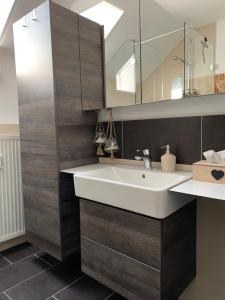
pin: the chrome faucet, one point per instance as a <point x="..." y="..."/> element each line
<point x="145" y="157"/>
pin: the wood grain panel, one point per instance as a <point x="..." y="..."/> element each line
<point x="70" y="215"/>
<point x="33" y="52"/>
<point x="114" y="242"/>
<point x="55" y="132"/>
<point x="74" y="128"/>
<point x="52" y="249"/>
<point x="123" y="274"/>
<point x="131" y="234"/>
<point x="92" y="64"/>
<point x="179" y="251"/>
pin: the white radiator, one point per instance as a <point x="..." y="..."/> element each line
<point x="11" y="200"/>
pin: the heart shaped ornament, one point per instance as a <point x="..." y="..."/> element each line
<point x="217" y="174"/>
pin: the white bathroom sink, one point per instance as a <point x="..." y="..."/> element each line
<point x="132" y="188"/>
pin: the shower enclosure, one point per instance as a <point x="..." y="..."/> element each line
<point x="178" y="64"/>
<point x="163" y="66"/>
<point x="172" y="65"/>
<point x="200" y="61"/>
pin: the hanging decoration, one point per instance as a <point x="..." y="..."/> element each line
<point x="111" y="145"/>
<point x="100" y="137"/>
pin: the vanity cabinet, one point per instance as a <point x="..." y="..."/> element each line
<point x="138" y="256"/>
<point x="55" y="133"/>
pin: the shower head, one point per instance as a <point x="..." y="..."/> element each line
<point x="204" y="43"/>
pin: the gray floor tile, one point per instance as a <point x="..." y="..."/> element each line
<point x="19" y="252"/>
<point x="3" y="297"/>
<point x="18" y="272"/>
<point x="47" y="283"/>
<point x="48" y="258"/>
<point x="85" y="289"/>
<point x="3" y="262"/>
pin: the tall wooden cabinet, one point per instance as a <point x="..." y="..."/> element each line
<point x="52" y="47"/>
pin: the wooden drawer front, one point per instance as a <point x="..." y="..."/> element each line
<point x="134" y="235"/>
<point x="130" y="278"/>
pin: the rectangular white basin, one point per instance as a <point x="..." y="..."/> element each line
<point x="132" y="188"/>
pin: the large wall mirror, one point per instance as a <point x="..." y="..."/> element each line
<point x="162" y="53"/>
<point x="155" y="51"/>
<point x="122" y="55"/>
<point x="144" y="55"/>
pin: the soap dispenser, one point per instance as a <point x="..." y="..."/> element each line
<point x="168" y="160"/>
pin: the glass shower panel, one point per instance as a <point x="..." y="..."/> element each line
<point x="163" y="67"/>
<point x="199" y="63"/>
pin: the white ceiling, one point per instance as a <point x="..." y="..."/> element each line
<point x="21" y="8"/>
<point x="196" y="12"/>
<point x="172" y="14"/>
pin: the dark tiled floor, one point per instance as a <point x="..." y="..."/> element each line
<point x="22" y="251"/>
<point x="3" y="263"/>
<point x="29" y="274"/>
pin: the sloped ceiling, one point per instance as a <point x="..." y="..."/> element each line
<point x="198" y="13"/>
<point x="119" y="49"/>
<point x="21" y="8"/>
<point x="156" y="20"/>
<point x="195" y="12"/>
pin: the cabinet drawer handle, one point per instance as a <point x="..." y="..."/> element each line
<point x="24" y="24"/>
<point x="34" y="15"/>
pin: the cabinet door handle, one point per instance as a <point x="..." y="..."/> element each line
<point x="1" y="161"/>
<point x="24" y="24"/>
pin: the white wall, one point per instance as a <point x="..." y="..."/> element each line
<point x="8" y="90"/>
<point x="220" y="46"/>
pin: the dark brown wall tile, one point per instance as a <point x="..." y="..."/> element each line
<point x="213" y="133"/>
<point x="183" y="134"/>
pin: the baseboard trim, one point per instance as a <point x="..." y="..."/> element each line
<point x="13" y="242"/>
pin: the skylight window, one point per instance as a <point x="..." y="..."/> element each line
<point x="125" y="78"/>
<point x="105" y="14"/>
<point x="5" y="8"/>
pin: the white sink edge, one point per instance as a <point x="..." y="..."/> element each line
<point x="84" y="175"/>
<point x="92" y="183"/>
<point x="160" y="211"/>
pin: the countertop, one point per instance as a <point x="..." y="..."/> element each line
<point x="201" y="189"/>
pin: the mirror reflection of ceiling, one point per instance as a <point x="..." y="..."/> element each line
<point x="198" y="13"/>
<point x="194" y="12"/>
<point x="125" y="29"/>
